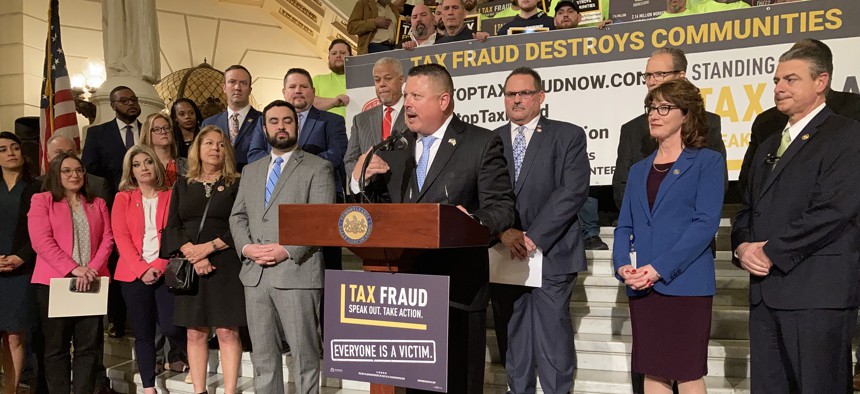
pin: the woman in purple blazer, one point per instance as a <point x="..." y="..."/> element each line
<point x="71" y="234"/>
<point x="668" y="219"/>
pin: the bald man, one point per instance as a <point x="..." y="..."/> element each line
<point x="62" y="144"/>
<point x="423" y="32"/>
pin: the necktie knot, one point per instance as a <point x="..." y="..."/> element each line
<point x="279" y="160"/>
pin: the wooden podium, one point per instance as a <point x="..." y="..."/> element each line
<point x="396" y="235"/>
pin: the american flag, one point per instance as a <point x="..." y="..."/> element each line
<point x="57" y="114"/>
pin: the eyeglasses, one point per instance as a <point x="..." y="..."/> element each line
<point x="68" y="172"/>
<point x="659" y="76"/>
<point x="127" y="100"/>
<point x="525" y="94"/>
<point x="662" y="110"/>
<point x="161" y="130"/>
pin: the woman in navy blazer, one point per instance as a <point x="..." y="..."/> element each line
<point x="669" y="216"/>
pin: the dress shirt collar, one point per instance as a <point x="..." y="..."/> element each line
<point x="286" y="156"/>
<point x="242" y="113"/>
<point x="795" y="129"/>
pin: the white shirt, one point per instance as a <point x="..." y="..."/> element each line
<point x="285" y="156"/>
<point x="134" y="130"/>
<point x="150" y="249"/>
<point x="795" y="129"/>
<point x="429" y="41"/>
<point x="419" y="145"/>
<point x="242" y="114"/>
<point x="528" y="132"/>
<point x="397" y="107"/>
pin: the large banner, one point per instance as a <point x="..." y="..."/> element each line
<point x="593" y="78"/>
<point x="387" y="328"/>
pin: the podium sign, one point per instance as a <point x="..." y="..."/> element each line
<point x="387" y="328"/>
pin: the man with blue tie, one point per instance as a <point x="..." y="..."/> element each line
<point x="239" y="121"/>
<point x="548" y="164"/>
<point x="283" y="283"/>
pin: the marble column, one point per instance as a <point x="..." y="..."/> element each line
<point x="131" y="49"/>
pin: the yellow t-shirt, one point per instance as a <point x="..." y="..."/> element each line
<point x="330" y="86"/>
<point x="685" y="13"/>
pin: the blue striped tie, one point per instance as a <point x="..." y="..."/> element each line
<point x="273" y="178"/>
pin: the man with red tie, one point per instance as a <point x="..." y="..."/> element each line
<point x="372" y="126"/>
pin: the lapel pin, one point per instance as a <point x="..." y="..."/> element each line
<point x="676" y="172"/>
<point x="805" y="137"/>
<point x="137" y="205"/>
<point x="453" y="142"/>
<point x="538" y="129"/>
<point x="221" y="188"/>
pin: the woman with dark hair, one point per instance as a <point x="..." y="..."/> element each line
<point x="669" y="216"/>
<point x="186" y="119"/>
<point x="206" y="194"/>
<point x="71" y="234"/>
<point x="16" y="256"/>
<point x="157" y="134"/>
<point x="139" y="215"/>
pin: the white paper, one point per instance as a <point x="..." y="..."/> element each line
<point x="63" y="302"/>
<point x="504" y="269"/>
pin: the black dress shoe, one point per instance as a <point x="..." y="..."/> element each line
<point x="595" y="243"/>
<point x="115" y="331"/>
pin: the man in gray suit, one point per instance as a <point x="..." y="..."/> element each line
<point x="372" y="126"/>
<point x="283" y="283"/>
<point x="533" y="325"/>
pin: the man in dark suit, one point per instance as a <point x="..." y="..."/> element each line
<point x="772" y="121"/>
<point x="240" y="122"/>
<point x="635" y="142"/>
<point x="797" y="235"/>
<point x="107" y="143"/>
<point x="320" y="133"/>
<point x="372" y="126"/>
<point x="533" y="325"/>
<point x="448" y="161"/>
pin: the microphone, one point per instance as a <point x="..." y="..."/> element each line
<point x="395" y="141"/>
<point x="771" y="159"/>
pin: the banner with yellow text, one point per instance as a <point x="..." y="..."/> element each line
<point x="593" y="78"/>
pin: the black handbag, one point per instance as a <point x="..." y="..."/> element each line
<point x="180" y="275"/>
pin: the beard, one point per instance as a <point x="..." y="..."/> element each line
<point x="440" y="25"/>
<point x="282" y="143"/>
<point x="420" y="30"/>
<point x="335" y="68"/>
<point x="470" y="5"/>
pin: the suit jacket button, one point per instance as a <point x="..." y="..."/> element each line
<point x="756" y="213"/>
<point x="265" y="220"/>
<point x="648" y="223"/>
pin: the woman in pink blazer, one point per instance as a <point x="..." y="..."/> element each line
<point x="139" y="214"/>
<point x="71" y="235"/>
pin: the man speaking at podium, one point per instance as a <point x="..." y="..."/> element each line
<point x="450" y="162"/>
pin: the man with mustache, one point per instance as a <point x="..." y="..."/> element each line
<point x="375" y="24"/>
<point x="529" y="17"/>
<point x="283" y="283"/>
<point x="423" y="29"/>
<point x="239" y="121"/>
<point x="331" y="88"/>
<point x="533" y="325"/>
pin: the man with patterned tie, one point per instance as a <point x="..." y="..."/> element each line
<point x="451" y="162"/>
<point x="239" y="121"/>
<point x="372" y="126"/>
<point x="798" y="235"/>
<point x="549" y="168"/>
<point x="283" y="283"/>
